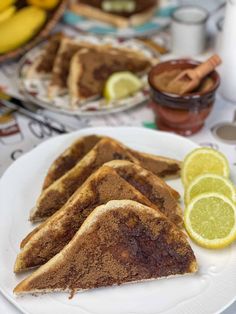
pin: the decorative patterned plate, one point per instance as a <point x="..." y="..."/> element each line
<point x="159" y="21"/>
<point x="208" y="291"/>
<point x="35" y="90"/>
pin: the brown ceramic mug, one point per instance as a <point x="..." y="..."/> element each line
<point x="182" y="114"/>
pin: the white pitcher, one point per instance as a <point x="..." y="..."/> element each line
<point x="228" y="53"/>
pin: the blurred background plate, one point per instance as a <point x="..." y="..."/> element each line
<point x="35" y="90"/>
<point x="160" y="20"/>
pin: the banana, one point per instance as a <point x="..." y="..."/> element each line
<point x="21" y="27"/>
<point x="7" y="13"/>
<point x="44" y="4"/>
<point x="4" y="4"/>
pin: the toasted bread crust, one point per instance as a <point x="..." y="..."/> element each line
<point x="51" y="236"/>
<point x="118" y="21"/>
<point x="154" y="188"/>
<point x="97" y="64"/>
<point x="57" y="194"/>
<point x="160" y="166"/>
<point x="43" y="64"/>
<point x="120" y="242"/>
<point x="69" y="158"/>
<point x="60" y="71"/>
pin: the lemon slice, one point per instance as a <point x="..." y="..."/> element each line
<point x="201" y="161"/>
<point x="207" y="183"/>
<point x="121" y="85"/>
<point x="210" y="220"/>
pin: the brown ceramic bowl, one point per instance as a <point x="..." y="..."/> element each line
<point x="184" y="114"/>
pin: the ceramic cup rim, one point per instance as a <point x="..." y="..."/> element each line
<point x="183" y="7"/>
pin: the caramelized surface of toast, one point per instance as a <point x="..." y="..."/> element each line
<point x="51" y="236"/>
<point x="120" y="242"/>
<point x="58" y="193"/>
<point x="154" y="188"/>
<point x="160" y="166"/>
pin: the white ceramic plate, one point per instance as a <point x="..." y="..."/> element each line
<point x="209" y="291"/>
<point x="35" y="90"/>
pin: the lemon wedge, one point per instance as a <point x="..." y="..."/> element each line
<point x="121" y="85"/>
<point x="201" y="161"/>
<point x="210" y="220"/>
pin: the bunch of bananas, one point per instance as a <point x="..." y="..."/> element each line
<point x="18" y="26"/>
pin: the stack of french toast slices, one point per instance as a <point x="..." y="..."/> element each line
<point x="81" y="68"/>
<point x="107" y="217"/>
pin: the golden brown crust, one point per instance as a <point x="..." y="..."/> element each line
<point x="51" y="236"/>
<point x="57" y="194"/>
<point x="97" y="14"/>
<point x="69" y="158"/>
<point x="57" y="85"/>
<point x="90" y="68"/>
<point x="43" y="64"/>
<point x="143" y="17"/>
<point x="60" y="71"/>
<point x="120" y="242"/>
<point x="116" y="20"/>
<point x="159" y="165"/>
<point x="154" y="188"/>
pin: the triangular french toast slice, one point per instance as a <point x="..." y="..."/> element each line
<point x="60" y="71"/>
<point x="58" y="193"/>
<point x="151" y="186"/>
<point x="154" y="188"/>
<point x="43" y="64"/>
<point x="140" y="13"/>
<point x="91" y="68"/>
<point x="69" y="158"/>
<point x="51" y="236"/>
<point x="120" y="242"/>
<point x="159" y="165"/>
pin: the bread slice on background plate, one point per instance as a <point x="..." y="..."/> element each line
<point x="42" y="66"/>
<point x="120" y="242"/>
<point x="122" y="20"/>
<point x="90" y="69"/>
<point x="60" y="71"/>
